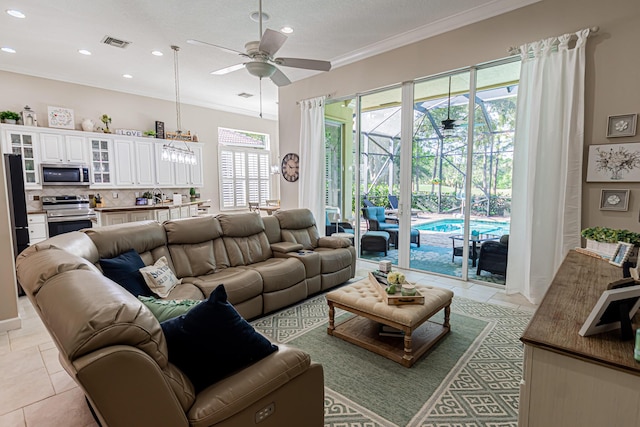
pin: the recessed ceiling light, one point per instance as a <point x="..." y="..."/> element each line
<point x="156" y="53"/>
<point x="255" y="16"/>
<point x="84" y="52"/>
<point x="127" y="76"/>
<point x="16" y="13"/>
<point x="286" y="30"/>
<point x="8" y="50"/>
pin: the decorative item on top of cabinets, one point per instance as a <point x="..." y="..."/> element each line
<point x="106" y="120"/>
<point x="9" y="117"/>
<point x="160" y="130"/>
<point x="150" y="133"/>
<point x="291" y="167"/>
<point x="88" y="125"/>
<point x="29" y="117"/>
<point x="61" y="118"/>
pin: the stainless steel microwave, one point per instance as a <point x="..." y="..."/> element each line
<point x="64" y="174"/>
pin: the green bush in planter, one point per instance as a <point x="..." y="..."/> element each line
<point x="9" y="115"/>
<point x="611" y="235"/>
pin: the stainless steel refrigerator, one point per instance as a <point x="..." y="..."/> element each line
<point x="17" y="204"/>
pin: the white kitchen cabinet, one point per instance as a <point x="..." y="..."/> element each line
<point x="174" y="213"/>
<point x="145" y="163"/>
<point x="101" y="162"/>
<point x="184" y="211"/>
<point x="193" y="210"/>
<point x="58" y="148"/>
<point x="106" y="218"/>
<point x="190" y="175"/>
<point x="162" y="215"/>
<point x="124" y="162"/>
<point x="165" y="170"/>
<point x="142" y="215"/>
<point x="25" y="143"/>
<point x="37" y="228"/>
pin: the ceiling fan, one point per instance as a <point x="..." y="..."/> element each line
<point x="262" y="62"/>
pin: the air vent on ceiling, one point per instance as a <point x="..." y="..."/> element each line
<point x="245" y="95"/>
<point x="112" y="41"/>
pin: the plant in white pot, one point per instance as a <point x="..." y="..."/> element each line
<point x="9" y="117"/>
<point x="604" y="240"/>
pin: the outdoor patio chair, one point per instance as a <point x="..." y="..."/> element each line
<point x="377" y="220"/>
<point x="393" y="202"/>
<point x="337" y="227"/>
<point x="493" y="256"/>
<point x="368" y="203"/>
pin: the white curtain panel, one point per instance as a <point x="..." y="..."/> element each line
<point x="547" y="164"/>
<point x="312" y="174"/>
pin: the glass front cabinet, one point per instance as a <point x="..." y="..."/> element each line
<point x="101" y="165"/>
<point x="25" y="144"/>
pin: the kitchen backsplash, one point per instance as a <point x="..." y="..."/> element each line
<point x="124" y="198"/>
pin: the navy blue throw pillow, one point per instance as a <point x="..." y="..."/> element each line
<point x="124" y="270"/>
<point x="212" y="340"/>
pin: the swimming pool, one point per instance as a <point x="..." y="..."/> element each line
<point x="455" y="225"/>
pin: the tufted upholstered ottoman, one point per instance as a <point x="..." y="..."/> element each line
<point x="365" y="301"/>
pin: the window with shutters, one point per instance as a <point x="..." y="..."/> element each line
<point x="244" y="168"/>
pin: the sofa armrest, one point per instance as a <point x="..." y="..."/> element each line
<point x="233" y="394"/>
<point x="284" y="247"/>
<point x="333" y="242"/>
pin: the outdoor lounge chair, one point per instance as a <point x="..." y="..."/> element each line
<point x="377" y="220"/>
<point x="493" y="256"/>
<point x="393" y="202"/>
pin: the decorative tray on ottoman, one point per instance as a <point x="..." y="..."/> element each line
<point x="397" y="298"/>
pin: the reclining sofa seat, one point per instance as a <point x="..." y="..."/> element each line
<point x="247" y="246"/>
<point x="336" y="255"/>
<point x="115" y="350"/>
<point x="200" y="258"/>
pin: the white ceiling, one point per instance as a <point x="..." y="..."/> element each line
<point x="340" y="31"/>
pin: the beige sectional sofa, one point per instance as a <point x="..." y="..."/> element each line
<point x="114" y="348"/>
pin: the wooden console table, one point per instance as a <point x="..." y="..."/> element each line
<point x="570" y="380"/>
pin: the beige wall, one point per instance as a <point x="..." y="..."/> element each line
<point x="127" y="111"/>
<point x="8" y="291"/>
<point x="613" y="79"/>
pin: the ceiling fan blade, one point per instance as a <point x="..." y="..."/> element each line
<point x="226" y="49"/>
<point x="309" y="64"/>
<point x="227" y="70"/>
<point x="279" y="78"/>
<point x="271" y="42"/>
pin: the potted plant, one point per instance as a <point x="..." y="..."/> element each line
<point x="106" y="120"/>
<point x="192" y="193"/>
<point x="150" y="133"/>
<point x="9" y="117"/>
<point x="604" y="240"/>
<point x="149" y="196"/>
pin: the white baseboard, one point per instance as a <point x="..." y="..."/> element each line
<point x="10" y="324"/>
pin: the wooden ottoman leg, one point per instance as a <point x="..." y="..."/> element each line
<point x="447" y="313"/>
<point x="332" y="313"/>
<point x="408" y="349"/>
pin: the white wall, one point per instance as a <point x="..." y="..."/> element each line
<point x="612" y="81"/>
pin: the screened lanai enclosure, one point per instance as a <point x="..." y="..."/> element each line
<point x="382" y="153"/>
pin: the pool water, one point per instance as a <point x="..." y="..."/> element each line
<point x="456" y="226"/>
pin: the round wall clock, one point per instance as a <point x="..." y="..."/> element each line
<point x="291" y="167"/>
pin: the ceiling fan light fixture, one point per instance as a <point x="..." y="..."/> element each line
<point x="255" y="16"/>
<point x="260" y="69"/>
<point x="448" y="124"/>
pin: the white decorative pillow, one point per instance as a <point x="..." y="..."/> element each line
<point x="160" y="278"/>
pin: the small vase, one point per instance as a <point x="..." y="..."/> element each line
<point x="87" y="125"/>
<point x="10" y="121"/>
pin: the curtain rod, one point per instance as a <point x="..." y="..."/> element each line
<point x="327" y="96"/>
<point x="516" y="50"/>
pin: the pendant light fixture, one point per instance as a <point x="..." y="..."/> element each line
<point x="170" y="151"/>
<point x="448" y="125"/>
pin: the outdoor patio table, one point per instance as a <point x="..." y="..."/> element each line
<point x="474" y="240"/>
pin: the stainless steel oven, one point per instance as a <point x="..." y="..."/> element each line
<point x="67" y="213"/>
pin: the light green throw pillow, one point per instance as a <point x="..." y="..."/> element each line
<point x="167" y="309"/>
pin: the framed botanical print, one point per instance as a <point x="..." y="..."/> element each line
<point x="61" y="118"/>
<point x="614" y="200"/>
<point x="622" y="125"/>
<point x="614" y="163"/>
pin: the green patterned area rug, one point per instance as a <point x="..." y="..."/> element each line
<point x="469" y="379"/>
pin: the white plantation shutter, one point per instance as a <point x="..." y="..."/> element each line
<point x="244" y="177"/>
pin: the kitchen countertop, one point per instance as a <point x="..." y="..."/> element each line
<point x="166" y="205"/>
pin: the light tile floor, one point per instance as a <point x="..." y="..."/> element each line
<point x="35" y="391"/>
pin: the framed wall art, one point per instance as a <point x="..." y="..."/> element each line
<point x="61" y="118"/>
<point x="614" y="200"/>
<point x="614" y="163"/>
<point x="622" y="125"/>
<point x="623" y="250"/>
